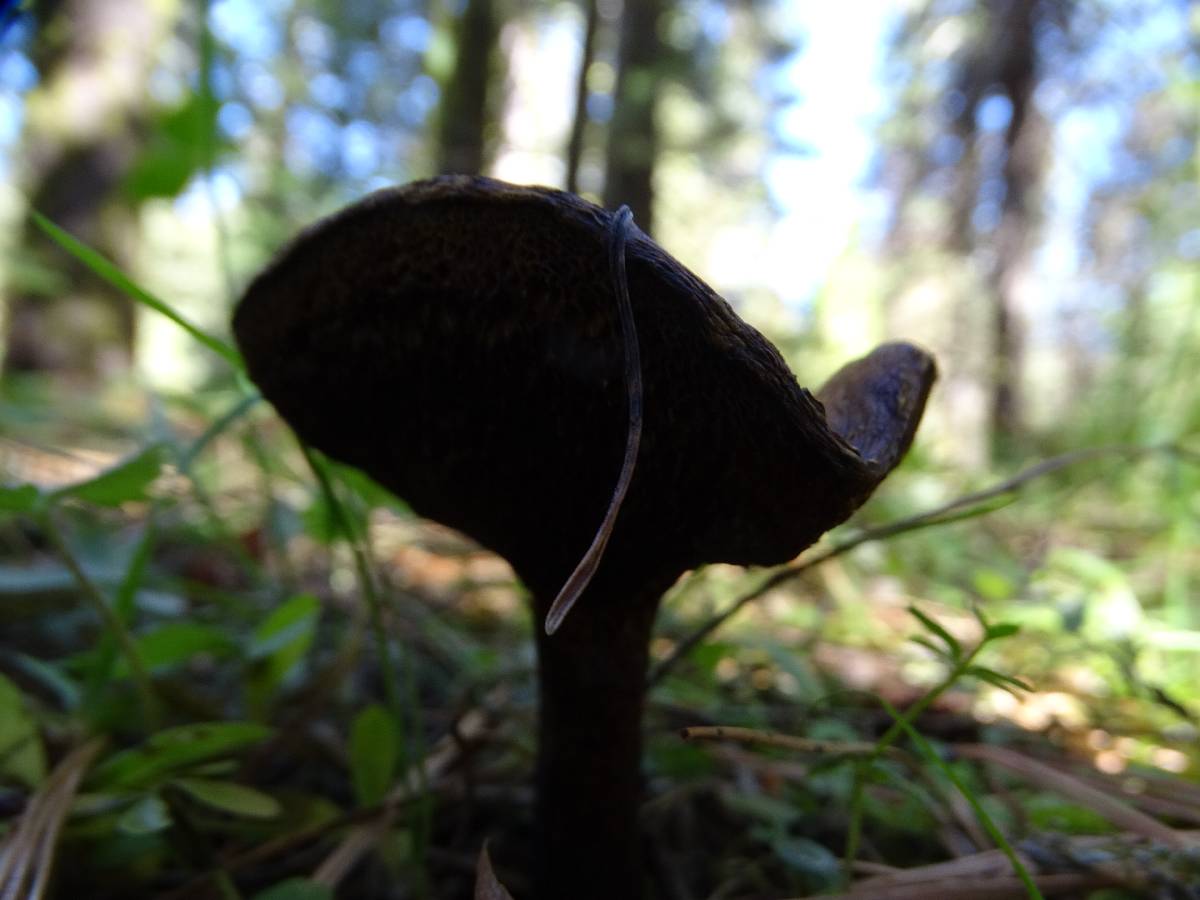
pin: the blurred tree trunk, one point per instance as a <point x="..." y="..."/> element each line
<point x="1015" y="25"/>
<point x="465" y="100"/>
<point x="81" y="138"/>
<point x="632" y="135"/>
<point x="579" y="119"/>
<point x="966" y="176"/>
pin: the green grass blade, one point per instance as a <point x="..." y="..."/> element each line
<point x="189" y="455"/>
<point x="118" y="279"/>
<point x="981" y="815"/>
<point x="933" y="627"/>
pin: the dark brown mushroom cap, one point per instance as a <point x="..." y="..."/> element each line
<point x="458" y="340"/>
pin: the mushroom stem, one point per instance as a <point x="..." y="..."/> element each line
<point x="593" y="681"/>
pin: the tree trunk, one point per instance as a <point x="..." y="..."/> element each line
<point x="632" y="135"/>
<point x="1016" y="23"/>
<point x="80" y="141"/>
<point x="464" y="107"/>
<point x="590" y="745"/>
<point x="579" y="120"/>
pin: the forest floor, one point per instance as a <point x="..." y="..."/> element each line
<point x="193" y="702"/>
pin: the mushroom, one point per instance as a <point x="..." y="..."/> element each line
<point x="459" y="340"/>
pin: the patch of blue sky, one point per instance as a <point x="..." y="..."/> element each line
<point x="328" y="90"/>
<point x="1084" y="139"/>
<point x="16" y="24"/>
<point x="993" y="113"/>
<point x="17" y="76"/>
<point x="17" y="73"/>
<point x="714" y="22"/>
<point x="363" y="64"/>
<point x="360" y="149"/>
<point x="313" y="141"/>
<point x="197" y="199"/>
<point x="250" y="27"/>
<point x="12" y="114"/>
<point x="406" y="34"/>
<point x="1087" y="135"/>
<point x="260" y="85"/>
<point x="416" y="102"/>
<point x="816" y="177"/>
<point x="235" y="121"/>
<point x="314" y="40"/>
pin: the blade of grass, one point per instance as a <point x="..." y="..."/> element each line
<point x="151" y="709"/>
<point x="123" y="611"/>
<point x="366" y="577"/>
<point x="103" y="268"/>
<point x="854" y="831"/>
<point x="410" y="736"/>
<point x="217" y="428"/>
<point x="981" y="815"/>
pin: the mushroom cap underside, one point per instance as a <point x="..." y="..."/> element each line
<point x="458" y="340"/>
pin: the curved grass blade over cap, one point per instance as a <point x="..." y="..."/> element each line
<point x="582" y="576"/>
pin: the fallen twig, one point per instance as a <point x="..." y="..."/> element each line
<point x="27" y="856"/>
<point x="775" y="739"/>
<point x="986" y="875"/>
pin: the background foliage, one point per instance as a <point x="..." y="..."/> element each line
<point x="231" y="668"/>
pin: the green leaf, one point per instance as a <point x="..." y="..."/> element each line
<point x="370" y="493"/>
<point x="159" y="173"/>
<point x="999" y="679"/>
<point x="955" y="649"/>
<point x="118" y="279"/>
<point x="1001" y="630"/>
<point x="175" y="149"/>
<point x="296" y="889"/>
<point x="125" y="482"/>
<point x="939" y="652"/>
<point x="1049" y="813"/>
<point x="22" y="498"/>
<point x="374" y="748"/>
<point x="321" y="522"/>
<point x="173" y="749"/>
<point x="147" y="816"/>
<point x="278" y="646"/>
<point x="992" y="584"/>
<point x="288" y="625"/>
<point x="47" y="678"/>
<point x="230" y="797"/>
<point x="175" y="643"/>
<point x="807" y="857"/>
<point x="680" y="760"/>
<point x="103" y="662"/>
<point x="774" y="812"/>
<point x="22" y="757"/>
<point x="48" y="583"/>
<point x="1112" y="611"/>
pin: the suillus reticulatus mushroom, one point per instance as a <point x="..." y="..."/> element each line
<point x="459" y="340"/>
